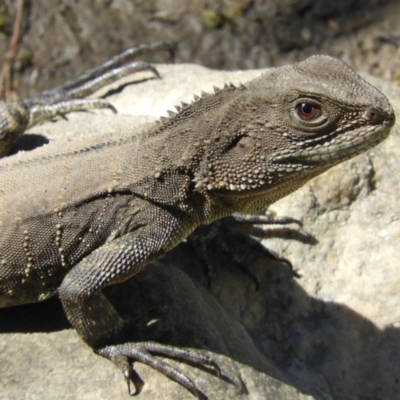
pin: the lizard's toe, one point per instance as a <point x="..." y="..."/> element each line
<point x="123" y="354"/>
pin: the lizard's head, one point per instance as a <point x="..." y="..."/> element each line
<point x="327" y="113"/>
<point x="295" y="122"/>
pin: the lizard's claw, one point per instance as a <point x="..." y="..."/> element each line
<point x="129" y="373"/>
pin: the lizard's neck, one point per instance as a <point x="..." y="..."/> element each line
<point x="220" y="204"/>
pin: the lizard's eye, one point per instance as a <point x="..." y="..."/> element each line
<point x="307" y="111"/>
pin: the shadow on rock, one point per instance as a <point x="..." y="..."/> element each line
<point x="29" y="142"/>
<point x="322" y="348"/>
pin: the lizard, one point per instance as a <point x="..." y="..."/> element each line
<point x="18" y="116"/>
<point x="104" y="208"/>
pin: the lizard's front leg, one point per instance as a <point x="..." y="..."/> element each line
<point x="97" y="321"/>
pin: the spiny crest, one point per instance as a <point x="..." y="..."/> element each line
<point x="172" y="114"/>
<point x="183" y="107"/>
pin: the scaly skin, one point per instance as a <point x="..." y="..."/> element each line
<point x="103" y="209"/>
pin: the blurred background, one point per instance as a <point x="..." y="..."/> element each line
<point x="45" y="42"/>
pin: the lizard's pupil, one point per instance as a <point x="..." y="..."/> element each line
<point x="306" y="108"/>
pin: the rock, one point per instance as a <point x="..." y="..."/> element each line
<point x="328" y="329"/>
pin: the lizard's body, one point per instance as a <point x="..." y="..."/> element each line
<point x="78" y="216"/>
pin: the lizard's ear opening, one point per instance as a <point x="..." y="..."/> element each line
<point x="241" y="146"/>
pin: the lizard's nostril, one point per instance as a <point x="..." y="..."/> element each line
<point x="373" y="114"/>
<point x="377" y="116"/>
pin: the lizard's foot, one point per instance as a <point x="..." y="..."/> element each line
<point x="223" y="233"/>
<point x="123" y="354"/>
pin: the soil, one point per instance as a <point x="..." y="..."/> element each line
<point x="62" y="38"/>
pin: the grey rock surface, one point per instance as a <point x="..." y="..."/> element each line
<point x="329" y="329"/>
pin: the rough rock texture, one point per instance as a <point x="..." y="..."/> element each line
<point x="64" y="37"/>
<point x="329" y="329"/>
